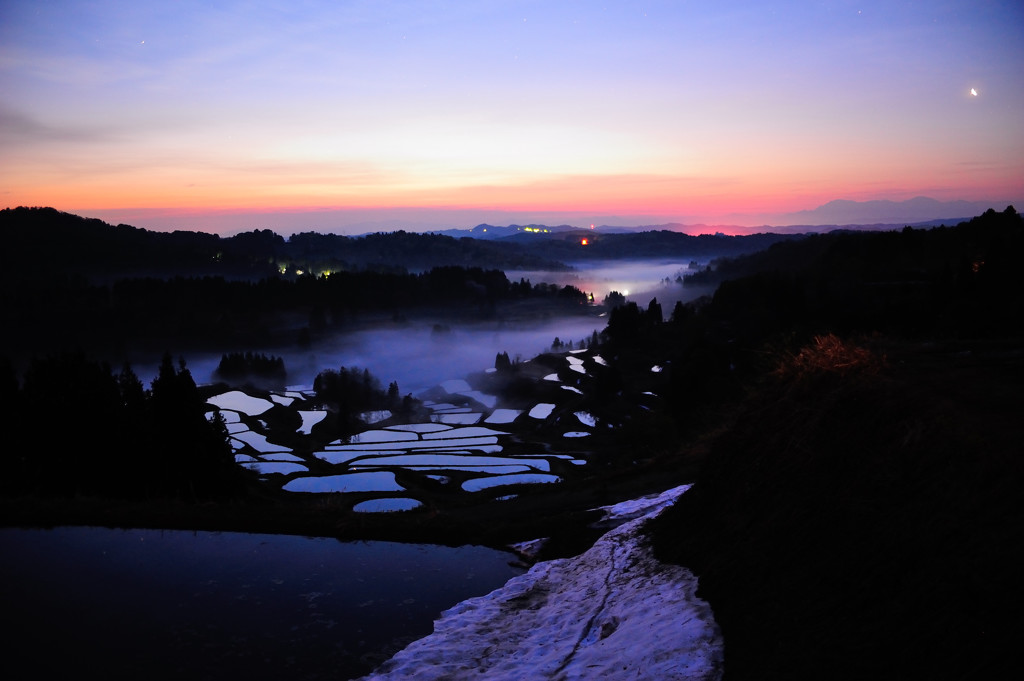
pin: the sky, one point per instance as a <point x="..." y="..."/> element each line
<point x="345" y="116"/>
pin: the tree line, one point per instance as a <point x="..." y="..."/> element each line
<point x="45" y="242"/>
<point x="76" y="428"/>
<point x="69" y="312"/>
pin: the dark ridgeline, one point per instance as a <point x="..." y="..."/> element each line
<point x="80" y="284"/>
<point x="47" y="242"/>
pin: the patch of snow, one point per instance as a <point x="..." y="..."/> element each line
<point x="634" y="508"/>
<point x="552" y="377"/>
<point x="578" y="368"/>
<point x="613" y="612"/>
<point x="600" y="360"/>
<point x="657" y="369"/>
<point x="575" y="390"/>
<point x="575" y="361"/>
<point x="282" y="399"/>
<point x="371" y="417"/>
<point x="576" y="433"/>
<point x="529" y="549"/>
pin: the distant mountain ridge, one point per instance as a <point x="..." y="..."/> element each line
<point x="518" y="232"/>
<point x="919" y="209"/>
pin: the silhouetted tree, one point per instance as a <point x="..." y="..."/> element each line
<point x="654" y="313"/>
<point x="614" y="299"/>
<point x="502" y="362"/>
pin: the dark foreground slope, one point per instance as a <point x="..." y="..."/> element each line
<point x="859" y="515"/>
<point x="862" y="518"/>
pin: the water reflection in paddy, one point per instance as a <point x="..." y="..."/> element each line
<point x="451" y="439"/>
<point x="149" y="604"/>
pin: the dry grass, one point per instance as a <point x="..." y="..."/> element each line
<point x="830" y="354"/>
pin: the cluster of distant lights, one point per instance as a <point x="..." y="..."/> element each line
<point x="283" y="269"/>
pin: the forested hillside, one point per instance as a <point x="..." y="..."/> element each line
<point x="857" y="513"/>
<point x="45" y="242"/>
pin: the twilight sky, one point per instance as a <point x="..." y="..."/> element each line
<point x="350" y="115"/>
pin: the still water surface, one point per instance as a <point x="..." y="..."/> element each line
<point x="152" y="604"/>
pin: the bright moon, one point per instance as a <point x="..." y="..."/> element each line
<point x="974" y="93"/>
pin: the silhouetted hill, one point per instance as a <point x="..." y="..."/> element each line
<point x="47" y="241"/>
<point x="856" y="515"/>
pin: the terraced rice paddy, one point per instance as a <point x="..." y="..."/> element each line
<point x="469" y="443"/>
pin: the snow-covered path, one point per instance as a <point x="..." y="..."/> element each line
<point x="614" y="612"/>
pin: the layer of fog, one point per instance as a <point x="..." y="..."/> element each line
<point x="638" y="280"/>
<point x="418" y="357"/>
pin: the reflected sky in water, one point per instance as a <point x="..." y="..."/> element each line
<point x="151" y="604"/>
